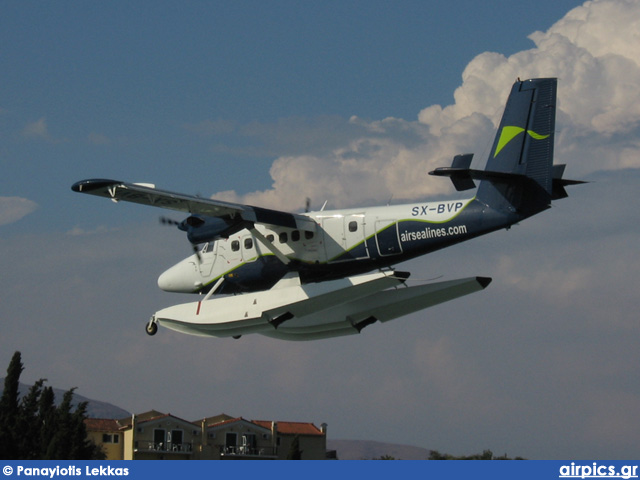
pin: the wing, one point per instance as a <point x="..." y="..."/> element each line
<point x="147" y="194"/>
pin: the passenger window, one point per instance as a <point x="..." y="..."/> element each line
<point x="248" y="243"/>
<point x="235" y="245"/>
<point x="353" y="226"/>
<point x="283" y="237"/>
<point x="295" y="235"/>
<point x="308" y="235"/>
<point x="270" y="237"/>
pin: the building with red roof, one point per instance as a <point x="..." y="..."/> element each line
<point x="155" y="435"/>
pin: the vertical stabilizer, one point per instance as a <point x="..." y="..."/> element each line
<point x="523" y="150"/>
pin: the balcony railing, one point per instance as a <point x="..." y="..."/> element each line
<point x="184" y="448"/>
<point x="247" y="451"/>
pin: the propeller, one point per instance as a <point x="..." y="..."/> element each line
<point x="169" y="221"/>
<point x="307" y="205"/>
<point x="181" y="225"/>
<point x="196" y="250"/>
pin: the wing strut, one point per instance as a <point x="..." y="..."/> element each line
<point x="269" y="244"/>
<point x="213" y="289"/>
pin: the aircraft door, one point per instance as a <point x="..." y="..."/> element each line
<point x="344" y="238"/>
<point x="248" y="246"/>
<point x="207" y="258"/>
<point x="355" y="236"/>
<point x="387" y="238"/>
<point x="228" y="252"/>
<point x="334" y="239"/>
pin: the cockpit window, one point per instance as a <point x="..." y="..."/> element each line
<point x="308" y="235"/>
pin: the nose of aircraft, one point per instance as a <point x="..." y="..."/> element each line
<point x="184" y="277"/>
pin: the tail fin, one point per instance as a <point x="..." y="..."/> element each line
<point x="519" y="175"/>
<point x="524" y="146"/>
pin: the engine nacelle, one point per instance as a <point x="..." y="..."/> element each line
<point x="202" y="229"/>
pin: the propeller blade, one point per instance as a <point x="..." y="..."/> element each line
<point x="196" y="250"/>
<point x="191" y="220"/>
<point x="169" y="221"/>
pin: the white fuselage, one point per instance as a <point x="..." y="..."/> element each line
<point x="359" y="238"/>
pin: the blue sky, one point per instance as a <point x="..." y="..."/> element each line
<point x="115" y="87"/>
<point x="351" y="102"/>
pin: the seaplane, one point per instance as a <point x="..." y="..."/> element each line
<point x="328" y="273"/>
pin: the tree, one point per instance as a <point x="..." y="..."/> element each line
<point x="46" y="420"/>
<point x="36" y="429"/>
<point x="485" y="455"/>
<point x="9" y="408"/>
<point x="294" y="450"/>
<point x="60" y="445"/>
<point x="28" y="425"/>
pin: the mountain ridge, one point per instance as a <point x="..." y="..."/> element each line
<point x="371" y="449"/>
<point x="95" y="408"/>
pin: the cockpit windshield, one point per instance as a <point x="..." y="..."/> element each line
<point x="208" y="247"/>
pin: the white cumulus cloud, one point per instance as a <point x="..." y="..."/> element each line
<point x="13" y="209"/>
<point x="37" y="129"/>
<point x="594" y="53"/>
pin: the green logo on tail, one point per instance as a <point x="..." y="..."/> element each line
<point x="509" y="133"/>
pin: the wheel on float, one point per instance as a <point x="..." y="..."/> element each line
<point x="151" y="328"/>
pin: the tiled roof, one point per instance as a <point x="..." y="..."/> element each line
<point x="230" y="421"/>
<point x="102" y="424"/>
<point x="284" y="428"/>
<point x="291" y="428"/>
<point x="147" y="415"/>
<point x="152" y="416"/>
<point x="213" y="420"/>
<point x="166" y="415"/>
<point x="226" y="422"/>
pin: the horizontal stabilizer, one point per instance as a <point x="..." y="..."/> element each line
<point x="558" y="191"/>
<point x="461" y="175"/>
<point x="462" y="181"/>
